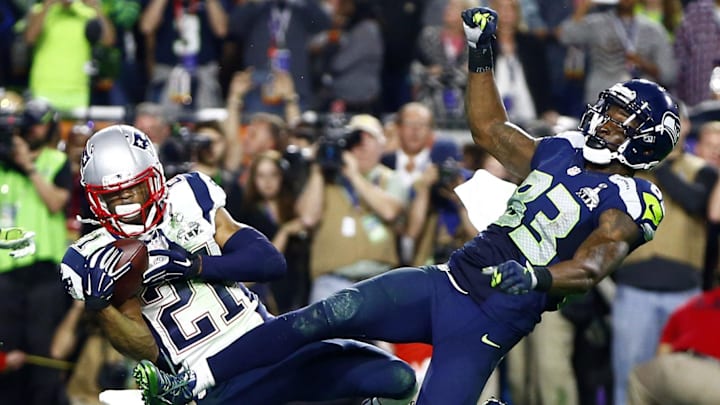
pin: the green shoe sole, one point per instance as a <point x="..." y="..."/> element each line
<point x="146" y="378"/>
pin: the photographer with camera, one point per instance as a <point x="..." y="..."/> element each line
<point x="351" y="208"/>
<point x="201" y="147"/>
<point x="35" y="183"/>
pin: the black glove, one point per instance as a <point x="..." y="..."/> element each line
<point x="514" y="278"/>
<point x="480" y="24"/>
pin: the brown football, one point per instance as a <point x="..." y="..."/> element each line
<point x="130" y="283"/>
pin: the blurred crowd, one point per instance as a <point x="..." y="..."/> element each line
<point x="337" y="129"/>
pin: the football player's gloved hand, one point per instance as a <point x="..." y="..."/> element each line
<point x="514" y="278"/>
<point x="480" y="24"/>
<point x="21" y="243"/>
<point x="170" y="264"/>
<point x="99" y="280"/>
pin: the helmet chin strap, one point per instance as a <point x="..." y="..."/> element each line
<point x="598" y="156"/>
<point x="595" y="150"/>
<point x="135" y="229"/>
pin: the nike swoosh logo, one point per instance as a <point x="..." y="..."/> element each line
<point x="485" y="339"/>
<point x="185" y="263"/>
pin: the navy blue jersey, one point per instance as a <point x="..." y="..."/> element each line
<point x="553" y="211"/>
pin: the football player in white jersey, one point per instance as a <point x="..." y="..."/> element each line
<point x="193" y="304"/>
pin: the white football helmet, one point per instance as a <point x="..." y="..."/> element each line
<point x="117" y="158"/>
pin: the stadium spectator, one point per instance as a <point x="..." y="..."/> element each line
<point x="241" y="151"/>
<point x="437" y="219"/>
<point x="351" y="205"/>
<point x="621" y="45"/>
<point x="401" y="23"/>
<point x="687" y="366"/>
<point x="151" y="119"/>
<point x="440" y="72"/>
<point x="669" y="13"/>
<point x="207" y="152"/>
<point x="58" y="32"/>
<point x="695" y="53"/>
<point x="708" y="143"/>
<point x="659" y="277"/>
<point x="268" y="205"/>
<point x="36" y="182"/>
<point x="520" y="66"/>
<point x="187" y="39"/>
<point x="97" y="365"/>
<point x="415" y="125"/>
<point x="351" y="59"/>
<point x="273" y="36"/>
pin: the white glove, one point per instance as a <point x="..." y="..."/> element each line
<point x="21" y="243"/>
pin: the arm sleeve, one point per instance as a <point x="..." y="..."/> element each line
<point x="247" y="256"/>
<point x="692" y="196"/>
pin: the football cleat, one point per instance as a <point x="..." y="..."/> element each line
<point x="161" y="388"/>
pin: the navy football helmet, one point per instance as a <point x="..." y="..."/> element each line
<point x="652" y="127"/>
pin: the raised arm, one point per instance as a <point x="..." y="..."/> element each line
<point x="487" y="118"/>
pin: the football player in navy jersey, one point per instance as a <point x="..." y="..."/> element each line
<point x="577" y="214"/>
<point x="193" y="304"/>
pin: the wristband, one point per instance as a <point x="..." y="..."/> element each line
<point x="480" y="59"/>
<point x="544" y="279"/>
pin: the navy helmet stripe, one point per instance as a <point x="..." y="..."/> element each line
<point x="201" y="193"/>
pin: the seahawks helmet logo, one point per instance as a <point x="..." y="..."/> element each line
<point x="671" y="126"/>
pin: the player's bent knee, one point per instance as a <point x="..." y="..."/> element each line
<point x="405" y="381"/>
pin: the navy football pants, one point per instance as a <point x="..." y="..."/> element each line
<point x="403" y="305"/>
<point x="319" y="371"/>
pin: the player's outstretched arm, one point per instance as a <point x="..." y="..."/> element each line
<point x="598" y="256"/>
<point x="247" y="255"/>
<point x="487" y="117"/>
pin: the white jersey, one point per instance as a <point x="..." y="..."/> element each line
<point x="190" y="320"/>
